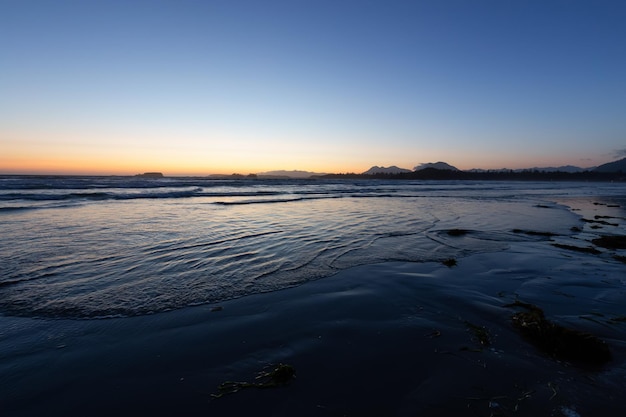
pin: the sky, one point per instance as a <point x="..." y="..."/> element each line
<point x="218" y="87"/>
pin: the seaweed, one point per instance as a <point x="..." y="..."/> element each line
<point x="457" y="232"/>
<point x="561" y="343"/>
<point x="606" y="217"/>
<point x="480" y="333"/>
<point x="534" y="233"/>
<point x="450" y="262"/>
<point x="499" y="405"/>
<point x="610" y="242"/>
<point x="277" y="376"/>
<point x="603" y="222"/>
<point x="587" y="249"/>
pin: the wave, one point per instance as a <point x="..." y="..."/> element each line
<point x="143" y="258"/>
<point x="166" y="248"/>
<point x="254" y="197"/>
<point x="99" y="195"/>
<point x="44" y="183"/>
<point x="14" y="209"/>
<point x="272" y="201"/>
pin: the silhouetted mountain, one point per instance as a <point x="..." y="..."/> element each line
<point x="565" y="168"/>
<point x="436" y="165"/>
<point x="431" y="173"/>
<point x="382" y="170"/>
<point x="444" y="171"/>
<point x="616" y="166"/>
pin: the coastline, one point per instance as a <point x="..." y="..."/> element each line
<point x="381" y="339"/>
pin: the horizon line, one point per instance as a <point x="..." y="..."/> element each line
<point x="276" y="172"/>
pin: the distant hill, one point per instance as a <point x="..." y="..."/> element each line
<point x="443" y="170"/>
<point x="615" y="166"/>
<point x="385" y="170"/>
<point x="436" y="165"/>
<point x="287" y="174"/>
<point x="565" y="168"/>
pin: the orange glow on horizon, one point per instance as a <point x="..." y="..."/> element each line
<point x="129" y="165"/>
<point x="62" y="153"/>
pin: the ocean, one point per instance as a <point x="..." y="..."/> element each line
<point x="112" y="291"/>
<point x="95" y="247"/>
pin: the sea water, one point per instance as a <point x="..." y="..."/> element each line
<point x="97" y="247"/>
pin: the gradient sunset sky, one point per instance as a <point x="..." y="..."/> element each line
<point x="208" y="87"/>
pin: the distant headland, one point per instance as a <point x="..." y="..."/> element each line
<point x="150" y="175"/>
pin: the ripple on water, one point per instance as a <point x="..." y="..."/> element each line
<point x="125" y="258"/>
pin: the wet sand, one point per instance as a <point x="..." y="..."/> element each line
<point x="390" y="339"/>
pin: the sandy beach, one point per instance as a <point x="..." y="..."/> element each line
<point x="389" y="339"/>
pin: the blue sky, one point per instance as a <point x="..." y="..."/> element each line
<point x="199" y="87"/>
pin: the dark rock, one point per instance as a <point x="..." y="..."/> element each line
<point x="450" y="262"/>
<point x="150" y="175"/>
<point x="610" y="242"/>
<point x="457" y="232"/>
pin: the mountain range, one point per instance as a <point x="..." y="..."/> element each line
<point x="615" y="166"/>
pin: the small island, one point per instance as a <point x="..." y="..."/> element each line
<point x="150" y="175"/>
